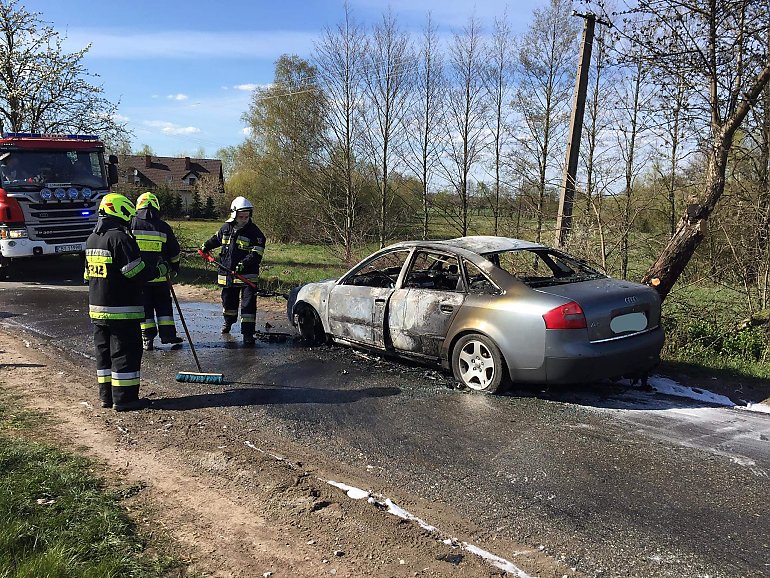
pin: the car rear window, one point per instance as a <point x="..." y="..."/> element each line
<point x="540" y="268"/>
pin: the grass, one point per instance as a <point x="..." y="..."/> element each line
<point x="56" y="518"/>
<point x="700" y="319"/>
<point x="284" y="265"/>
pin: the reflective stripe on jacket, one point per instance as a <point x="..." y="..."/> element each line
<point x="245" y="245"/>
<point x="156" y="240"/>
<point x="115" y="273"/>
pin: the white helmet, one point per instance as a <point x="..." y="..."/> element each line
<point x="239" y="204"/>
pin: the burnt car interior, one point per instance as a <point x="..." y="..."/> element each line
<point x="434" y="271"/>
<point x="380" y="272"/>
<point x="543" y="267"/>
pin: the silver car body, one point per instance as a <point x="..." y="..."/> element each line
<point x="622" y="335"/>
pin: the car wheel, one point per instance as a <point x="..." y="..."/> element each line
<point x="478" y="364"/>
<point x="309" y="324"/>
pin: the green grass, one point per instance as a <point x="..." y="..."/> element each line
<point x="56" y="518"/>
<point x="284" y="265"/>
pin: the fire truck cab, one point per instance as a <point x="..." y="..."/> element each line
<point x="50" y="189"/>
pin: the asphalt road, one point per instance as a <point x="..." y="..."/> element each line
<point x="612" y="480"/>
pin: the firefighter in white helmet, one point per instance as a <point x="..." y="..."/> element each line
<point x="243" y="245"/>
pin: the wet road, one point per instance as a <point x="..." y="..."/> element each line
<point x="614" y="481"/>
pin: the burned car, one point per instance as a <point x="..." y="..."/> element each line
<point x="493" y="309"/>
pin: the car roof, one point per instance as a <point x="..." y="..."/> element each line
<point x="479" y="244"/>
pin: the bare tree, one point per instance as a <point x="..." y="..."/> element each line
<point x="546" y="66"/>
<point x="45" y="89"/>
<point x="466" y="109"/>
<point x="498" y="79"/>
<point x="721" y="46"/>
<point x="425" y="116"/>
<point x="339" y="57"/>
<point x="633" y="126"/>
<point x="389" y="72"/>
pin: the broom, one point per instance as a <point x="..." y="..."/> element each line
<point x="192" y="377"/>
<point x="213" y="261"/>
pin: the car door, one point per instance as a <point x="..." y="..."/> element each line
<point x="422" y="309"/>
<point x="358" y="303"/>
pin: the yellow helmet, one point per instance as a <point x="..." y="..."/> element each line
<point x="115" y="205"/>
<point x="147" y="200"/>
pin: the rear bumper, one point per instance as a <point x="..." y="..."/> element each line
<point x="21" y="248"/>
<point x="586" y="362"/>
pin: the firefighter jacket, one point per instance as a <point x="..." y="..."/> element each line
<point x="245" y="246"/>
<point x="115" y="272"/>
<point x="156" y="241"/>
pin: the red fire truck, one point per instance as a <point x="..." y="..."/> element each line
<point x="50" y="189"/>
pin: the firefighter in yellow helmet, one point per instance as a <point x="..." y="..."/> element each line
<point x="115" y="273"/>
<point x="157" y="242"/>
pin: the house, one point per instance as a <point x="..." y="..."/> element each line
<point x="181" y="175"/>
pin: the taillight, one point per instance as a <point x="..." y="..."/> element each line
<point x="567" y="316"/>
<point x="10" y="209"/>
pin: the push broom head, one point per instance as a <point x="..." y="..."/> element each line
<point x="215" y="378"/>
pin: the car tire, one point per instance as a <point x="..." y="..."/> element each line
<point x="309" y="324"/>
<point x="478" y="364"/>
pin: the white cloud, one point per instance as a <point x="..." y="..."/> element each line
<point x="178" y="96"/>
<point x="169" y="128"/>
<point x="122" y="44"/>
<point x="248" y="87"/>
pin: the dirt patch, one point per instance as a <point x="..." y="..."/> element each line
<point x="238" y="502"/>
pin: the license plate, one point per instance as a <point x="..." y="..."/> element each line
<point x="629" y="322"/>
<point x="68" y="248"/>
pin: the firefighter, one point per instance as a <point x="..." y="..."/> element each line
<point x="243" y="245"/>
<point x="157" y="242"/>
<point x="115" y="273"/>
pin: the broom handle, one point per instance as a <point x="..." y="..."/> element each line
<point x="211" y="259"/>
<point x="186" y="331"/>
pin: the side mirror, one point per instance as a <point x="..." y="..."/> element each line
<point x="112" y="170"/>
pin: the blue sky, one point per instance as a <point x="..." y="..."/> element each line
<point x="184" y="70"/>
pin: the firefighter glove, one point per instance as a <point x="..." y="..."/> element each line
<point x="239" y="268"/>
<point x="204" y="248"/>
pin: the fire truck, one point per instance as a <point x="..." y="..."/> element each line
<point x="50" y="189"/>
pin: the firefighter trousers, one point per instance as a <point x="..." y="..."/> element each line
<point x="231" y="296"/>
<point x="118" y="347"/>
<point x="157" y="305"/>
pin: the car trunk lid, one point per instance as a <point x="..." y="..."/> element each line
<point x="612" y="308"/>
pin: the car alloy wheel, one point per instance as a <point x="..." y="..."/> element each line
<point x="478" y="364"/>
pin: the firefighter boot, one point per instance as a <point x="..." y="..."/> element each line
<point x="248" y="339"/>
<point x="174" y="339"/>
<point x="105" y="394"/>
<point x="227" y="325"/>
<point x="147" y="343"/>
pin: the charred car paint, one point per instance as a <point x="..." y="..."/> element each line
<point x="491" y="309"/>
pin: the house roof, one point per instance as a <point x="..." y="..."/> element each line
<point x="159" y="171"/>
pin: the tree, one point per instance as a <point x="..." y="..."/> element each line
<point x="720" y="48"/>
<point x="389" y="72"/>
<point x="339" y="56"/>
<point x="425" y="117"/>
<point x="467" y="107"/>
<point x="44" y="89"/>
<point x="209" y="212"/>
<point x="498" y="79"/>
<point x="195" y="210"/>
<point x="546" y="71"/>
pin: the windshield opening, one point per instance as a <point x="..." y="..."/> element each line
<point x="543" y="267"/>
<point x="33" y="170"/>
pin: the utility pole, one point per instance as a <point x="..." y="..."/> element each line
<point x="567" y="197"/>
